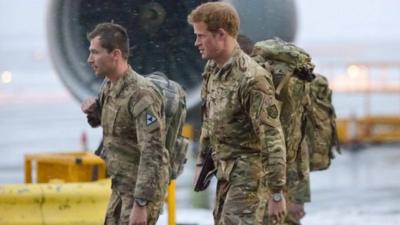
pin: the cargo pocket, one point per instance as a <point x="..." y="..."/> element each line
<point x="242" y="199"/>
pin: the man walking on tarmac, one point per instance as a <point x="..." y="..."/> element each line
<point x="297" y="187"/>
<point x="130" y="111"/>
<point x="240" y="123"/>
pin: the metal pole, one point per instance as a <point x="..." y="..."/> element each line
<point x="171" y="203"/>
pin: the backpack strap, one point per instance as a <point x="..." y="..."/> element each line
<point x="283" y="83"/>
<point x="307" y="100"/>
<point x="100" y="95"/>
<point x="299" y="148"/>
<point x="306" y="107"/>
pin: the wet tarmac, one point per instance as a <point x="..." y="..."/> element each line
<point x="361" y="188"/>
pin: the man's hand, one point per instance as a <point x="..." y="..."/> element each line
<point x="89" y="105"/>
<point x="138" y="215"/>
<point x="296" y="210"/>
<point x="276" y="211"/>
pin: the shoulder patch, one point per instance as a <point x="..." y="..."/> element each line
<point x="272" y="111"/>
<point x="150" y="119"/>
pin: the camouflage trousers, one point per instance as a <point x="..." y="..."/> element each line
<point x="298" y="191"/>
<point x="239" y="192"/>
<point x="120" y="207"/>
<point x="290" y="220"/>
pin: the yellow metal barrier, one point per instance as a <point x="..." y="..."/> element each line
<point x="68" y="167"/>
<point x="65" y="203"/>
<point x="54" y="204"/>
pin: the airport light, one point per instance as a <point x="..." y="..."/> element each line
<point x="354" y="71"/>
<point x="6" y="77"/>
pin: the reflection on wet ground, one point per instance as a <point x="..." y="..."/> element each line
<point x="361" y="188"/>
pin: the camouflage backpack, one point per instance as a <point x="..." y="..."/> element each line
<point x="307" y="113"/>
<point x="175" y="115"/>
<point x="320" y="128"/>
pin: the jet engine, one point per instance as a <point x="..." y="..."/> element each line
<point x="160" y="38"/>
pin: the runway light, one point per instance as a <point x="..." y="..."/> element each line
<point x="354" y="71"/>
<point x="6" y="77"/>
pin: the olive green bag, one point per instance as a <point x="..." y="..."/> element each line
<point x="320" y="128"/>
<point x="307" y="113"/>
<point x="175" y="115"/>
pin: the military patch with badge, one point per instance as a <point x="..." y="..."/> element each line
<point x="150" y="119"/>
<point x="272" y="111"/>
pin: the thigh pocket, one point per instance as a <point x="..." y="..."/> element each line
<point x="242" y="198"/>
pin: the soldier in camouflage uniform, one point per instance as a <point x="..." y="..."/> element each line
<point x="298" y="184"/>
<point x="292" y="70"/>
<point x="297" y="187"/>
<point x="240" y="122"/>
<point x="130" y="111"/>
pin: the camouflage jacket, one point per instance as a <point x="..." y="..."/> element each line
<point x="133" y="122"/>
<point x="290" y="67"/>
<point x="241" y="116"/>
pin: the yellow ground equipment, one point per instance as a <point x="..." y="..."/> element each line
<point x="369" y="129"/>
<point x="65" y="193"/>
<point x="54" y="203"/>
<point x="68" y="167"/>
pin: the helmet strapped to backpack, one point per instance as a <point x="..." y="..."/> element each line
<point x="175" y="115"/>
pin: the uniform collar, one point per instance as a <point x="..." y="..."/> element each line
<point x="128" y="77"/>
<point x="223" y="72"/>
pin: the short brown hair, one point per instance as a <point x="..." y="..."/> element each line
<point x="112" y="36"/>
<point x="216" y="15"/>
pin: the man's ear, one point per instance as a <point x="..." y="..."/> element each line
<point x="221" y="33"/>
<point x="116" y="53"/>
